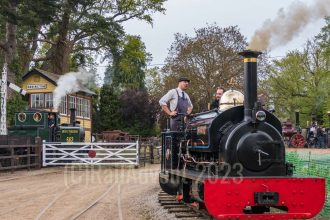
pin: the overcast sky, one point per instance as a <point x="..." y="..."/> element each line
<point x="184" y="16"/>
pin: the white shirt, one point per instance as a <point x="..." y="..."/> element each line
<point x="172" y="97"/>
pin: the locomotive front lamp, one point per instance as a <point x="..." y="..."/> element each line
<point x="260" y="115"/>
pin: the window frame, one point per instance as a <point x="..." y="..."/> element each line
<point x="64" y="109"/>
<point x="50" y="99"/>
<point x="33" y="100"/>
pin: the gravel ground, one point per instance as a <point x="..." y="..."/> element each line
<point x="150" y="208"/>
<point x="63" y="193"/>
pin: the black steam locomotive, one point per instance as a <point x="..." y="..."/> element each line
<point x="232" y="161"/>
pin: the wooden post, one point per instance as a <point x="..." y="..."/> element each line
<point x="28" y="144"/>
<point x="145" y="155"/>
<point x="38" y="151"/>
<point x="12" y="159"/>
<point x="151" y="148"/>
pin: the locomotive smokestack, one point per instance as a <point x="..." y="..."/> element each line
<point x="250" y="81"/>
<point x="73" y="116"/>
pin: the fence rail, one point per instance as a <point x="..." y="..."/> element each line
<point x="90" y="153"/>
<point x="17" y="156"/>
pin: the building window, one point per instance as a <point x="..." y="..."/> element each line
<point x="42" y="100"/>
<point x="72" y="102"/>
<point x="79" y="107"/>
<point x="37" y="100"/>
<point x="64" y="106"/>
<point x="49" y="100"/>
<point x="86" y="108"/>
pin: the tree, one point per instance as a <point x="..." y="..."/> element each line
<point x="323" y="40"/>
<point x="209" y="59"/>
<point x="22" y="23"/>
<point x="90" y="26"/>
<point x="138" y="112"/>
<point x="300" y="82"/>
<point x="127" y="70"/>
<point x="109" y="115"/>
<point x="126" y="76"/>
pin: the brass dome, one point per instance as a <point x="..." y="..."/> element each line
<point x="230" y="99"/>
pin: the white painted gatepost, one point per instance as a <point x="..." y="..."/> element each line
<point x="55" y="153"/>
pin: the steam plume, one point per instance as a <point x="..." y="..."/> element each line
<point x="287" y="24"/>
<point x="69" y="83"/>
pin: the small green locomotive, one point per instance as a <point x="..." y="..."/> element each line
<point x="46" y="125"/>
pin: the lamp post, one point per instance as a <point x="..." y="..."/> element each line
<point x="297" y="121"/>
<point x="329" y="118"/>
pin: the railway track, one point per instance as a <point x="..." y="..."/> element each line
<point x="180" y="209"/>
<point x="92" y="204"/>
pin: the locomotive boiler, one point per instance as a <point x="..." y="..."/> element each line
<point x="232" y="161"/>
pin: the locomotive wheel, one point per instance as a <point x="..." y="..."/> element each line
<point x="297" y="141"/>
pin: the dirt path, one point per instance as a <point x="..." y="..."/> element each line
<point x="64" y="193"/>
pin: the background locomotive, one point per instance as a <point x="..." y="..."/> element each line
<point x="232" y="161"/>
<point x="35" y="123"/>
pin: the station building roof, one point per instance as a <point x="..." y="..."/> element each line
<point x="53" y="78"/>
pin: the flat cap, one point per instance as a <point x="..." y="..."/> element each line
<point x="184" y="79"/>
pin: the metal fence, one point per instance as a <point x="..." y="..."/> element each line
<point x="90" y="153"/>
<point x="313" y="164"/>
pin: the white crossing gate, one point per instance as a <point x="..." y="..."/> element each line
<point x="55" y="153"/>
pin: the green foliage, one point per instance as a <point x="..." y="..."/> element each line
<point x="90" y="28"/>
<point x="63" y="33"/>
<point x="126" y="75"/>
<point x="323" y="38"/>
<point x="109" y="115"/>
<point x="138" y="112"/>
<point x="300" y="82"/>
<point x="14" y="104"/>
<point x="128" y="67"/>
<point x="130" y="110"/>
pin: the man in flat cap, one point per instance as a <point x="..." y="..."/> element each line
<point x="179" y="103"/>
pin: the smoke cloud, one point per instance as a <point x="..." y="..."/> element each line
<point x="288" y="24"/>
<point x="70" y="83"/>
